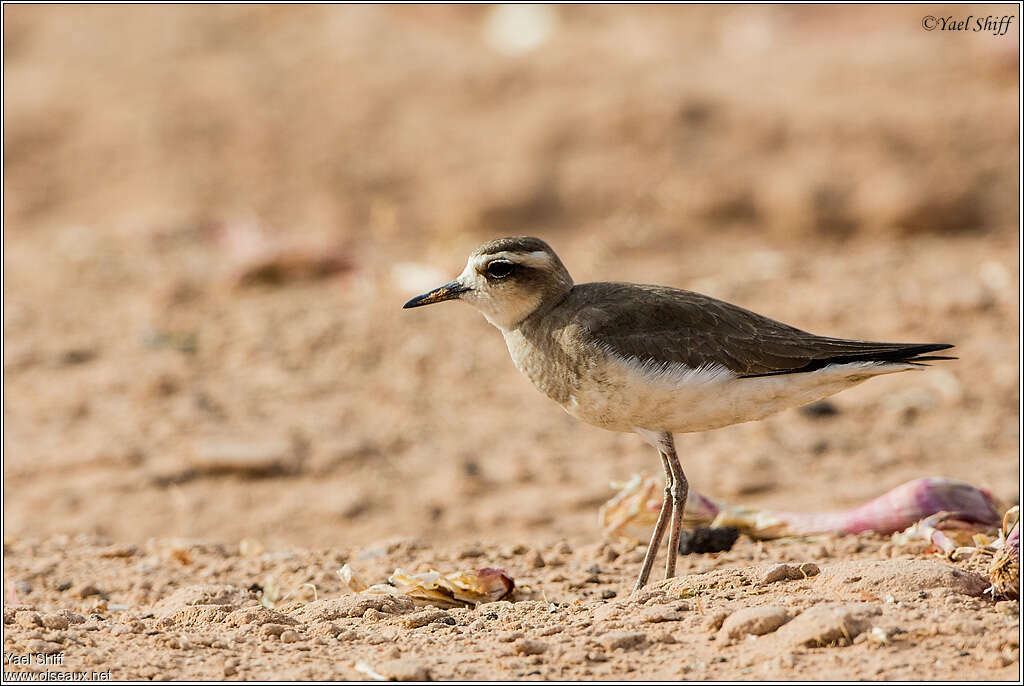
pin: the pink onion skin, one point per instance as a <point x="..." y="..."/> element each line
<point x="1013" y="540"/>
<point x="890" y="512"/>
<point x="899" y="508"/>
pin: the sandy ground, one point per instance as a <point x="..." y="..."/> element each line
<point x="194" y="446"/>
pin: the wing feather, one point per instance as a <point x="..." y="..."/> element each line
<point x="672" y="326"/>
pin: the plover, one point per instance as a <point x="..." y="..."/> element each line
<point x="654" y="360"/>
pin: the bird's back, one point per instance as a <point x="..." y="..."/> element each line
<point x="626" y="356"/>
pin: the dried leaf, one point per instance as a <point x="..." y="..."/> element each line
<point x="465" y="588"/>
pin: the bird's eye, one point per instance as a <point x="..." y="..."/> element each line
<point x="499" y="269"/>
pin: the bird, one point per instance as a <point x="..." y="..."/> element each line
<point x="656" y="360"/>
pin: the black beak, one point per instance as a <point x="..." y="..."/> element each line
<point x="449" y="291"/>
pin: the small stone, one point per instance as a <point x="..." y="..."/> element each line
<point x="706" y="539"/>
<point x="423" y="618"/>
<point x="324" y="629"/>
<point x="472" y="551"/>
<point x="755" y="621"/>
<point x="180" y="643"/>
<point x="28" y="619"/>
<point x="827" y="624"/>
<point x="608" y="594"/>
<point x="655" y="615"/>
<point x="230" y="667"/>
<point x="622" y="639"/>
<point x="509" y="636"/>
<point x="403" y="670"/>
<point x="535" y="560"/>
<point x="273" y="629"/>
<point x="645" y="595"/>
<point x="780" y="572"/>
<point x="55" y="621"/>
<point x="528" y="646"/>
<point x="820" y="409"/>
<point x="290" y="636"/>
<point x="72" y="617"/>
<point x="229" y="455"/>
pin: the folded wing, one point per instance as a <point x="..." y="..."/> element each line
<point x="655" y="324"/>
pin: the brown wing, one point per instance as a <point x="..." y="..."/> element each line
<point x="668" y="325"/>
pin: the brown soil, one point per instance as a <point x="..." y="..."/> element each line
<point x="195" y="414"/>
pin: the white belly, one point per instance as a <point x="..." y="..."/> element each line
<point x="624" y="395"/>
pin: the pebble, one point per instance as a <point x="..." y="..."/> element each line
<point x="231" y="667"/>
<point x="784" y="572"/>
<point x="324" y="629"/>
<point x="705" y="539"/>
<point x="28" y="619"/>
<point x="55" y="621"/>
<point x="424" y="617"/>
<point x="509" y="636"/>
<point x="529" y="646"/>
<point x="622" y="639"/>
<point x="403" y="670"/>
<point x="655" y="615"/>
<point x="535" y="560"/>
<point x="290" y="636"/>
<point x="273" y="629"/>
<point x="180" y="643"/>
<point x="243" y="457"/>
<point x="826" y="624"/>
<point x="72" y="617"/>
<point x="645" y="595"/>
<point x="755" y="621"/>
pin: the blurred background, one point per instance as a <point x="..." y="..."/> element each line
<point x="212" y="216"/>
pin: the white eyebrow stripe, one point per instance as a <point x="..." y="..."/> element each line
<point x="537" y="259"/>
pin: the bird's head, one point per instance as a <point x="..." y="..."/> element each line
<point x="507" y="280"/>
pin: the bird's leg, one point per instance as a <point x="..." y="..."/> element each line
<point x="679" y="490"/>
<point x="659" y="528"/>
